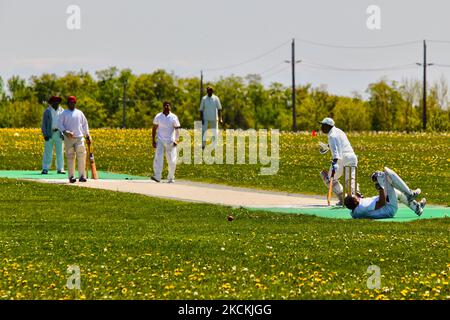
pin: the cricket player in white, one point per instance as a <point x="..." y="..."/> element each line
<point x="342" y="154"/>
<point x="392" y="189"/>
<point x="211" y="114"/>
<point x="52" y="136"/>
<point x="167" y="126"/>
<point x="73" y="124"/>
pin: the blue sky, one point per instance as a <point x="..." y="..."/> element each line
<point x="185" y="36"/>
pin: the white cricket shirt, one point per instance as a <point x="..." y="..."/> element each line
<point x="73" y="121"/>
<point x="339" y="144"/>
<point x="366" y="205"/>
<point x="166" y="126"/>
<point x="210" y="107"/>
<point x="55" y="116"/>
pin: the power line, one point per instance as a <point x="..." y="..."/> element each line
<point x="442" y="65"/>
<point x="276" y="72"/>
<point x="336" y="46"/>
<point x="405" y="67"/>
<point x="249" y="60"/>
<point x="319" y="66"/>
<point x="338" y="68"/>
<point x="439" y="41"/>
<point x="271" y="68"/>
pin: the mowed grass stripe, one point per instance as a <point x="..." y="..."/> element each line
<point x="135" y="247"/>
<point x="421" y="159"/>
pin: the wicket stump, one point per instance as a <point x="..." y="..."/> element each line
<point x="350" y="183"/>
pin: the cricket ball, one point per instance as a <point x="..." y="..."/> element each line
<point x="230" y="218"/>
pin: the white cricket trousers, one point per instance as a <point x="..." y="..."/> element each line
<point x="75" y="148"/>
<point x="158" y="161"/>
<point x="47" y="159"/>
<point x="213" y="125"/>
<point x="348" y="159"/>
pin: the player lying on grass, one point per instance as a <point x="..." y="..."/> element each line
<point x="391" y="189"/>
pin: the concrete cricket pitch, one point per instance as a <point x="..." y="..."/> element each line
<point x="252" y="199"/>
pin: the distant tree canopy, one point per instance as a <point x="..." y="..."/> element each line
<point x="246" y="102"/>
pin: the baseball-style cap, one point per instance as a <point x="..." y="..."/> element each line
<point x="54" y="98"/>
<point x="328" y="121"/>
<point x="72" y="99"/>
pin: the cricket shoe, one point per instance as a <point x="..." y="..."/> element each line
<point x="154" y="179"/>
<point x="171" y="181"/>
<point x="72" y="180"/>
<point x="61" y="172"/>
<point x="45" y="171"/>
<point x="82" y="179"/>
<point x="377" y="174"/>
<point x="420" y="206"/>
<point x="414" y="194"/>
<point x="379" y="177"/>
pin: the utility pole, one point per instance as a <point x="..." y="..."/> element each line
<point x="424" y="102"/>
<point x="124" y="105"/>
<point x="293" y="62"/>
<point x="294" y="110"/>
<point x="201" y="85"/>
<point x="424" y="113"/>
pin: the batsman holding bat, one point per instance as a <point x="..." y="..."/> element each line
<point x="74" y="125"/>
<point x="342" y="155"/>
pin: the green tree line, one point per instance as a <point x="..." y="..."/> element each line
<point x="246" y="102"/>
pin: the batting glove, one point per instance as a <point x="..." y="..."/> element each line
<point x="335" y="166"/>
<point x="323" y="148"/>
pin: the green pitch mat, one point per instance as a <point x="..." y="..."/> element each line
<point x="403" y="214"/>
<point x="13" y="174"/>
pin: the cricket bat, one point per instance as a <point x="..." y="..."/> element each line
<point x="330" y="188"/>
<point x="94" y="174"/>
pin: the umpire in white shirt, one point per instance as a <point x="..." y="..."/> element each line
<point x="73" y="124"/>
<point x="166" y="126"/>
<point x="342" y="154"/>
<point x="210" y="113"/>
<point x="52" y="136"/>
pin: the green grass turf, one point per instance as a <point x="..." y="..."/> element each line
<point x="17" y="174"/>
<point x="132" y="246"/>
<point x="403" y="214"/>
<point x="421" y="159"/>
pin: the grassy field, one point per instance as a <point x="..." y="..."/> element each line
<point x="134" y="247"/>
<point x="131" y="246"/>
<point x="422" y="159"/>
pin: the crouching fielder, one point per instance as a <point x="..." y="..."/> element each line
<point x="166" y="126"/>
<point x="392" y="189"/>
